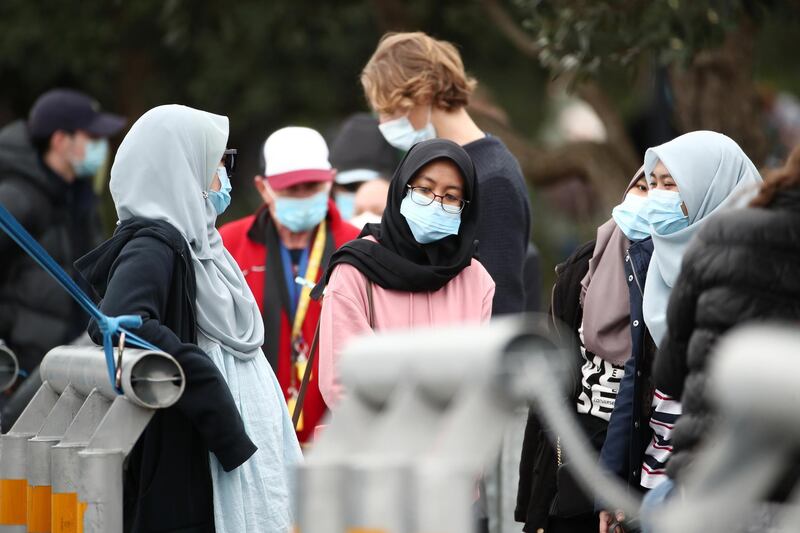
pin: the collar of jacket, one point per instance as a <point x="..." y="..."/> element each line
<point x="96" y="265"/>
<point x="263" y="219"/>
<point x="19" y="158"/>
<point x="640" y="253"/>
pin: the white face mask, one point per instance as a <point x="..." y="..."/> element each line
<point x="401" y="134"/>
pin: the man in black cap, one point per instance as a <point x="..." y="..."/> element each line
<point x="43" y="163"/>
<point x="359" y="154"/>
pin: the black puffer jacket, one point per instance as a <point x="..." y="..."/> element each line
<point x="743" y="266"/>
<point x="35" y="313"/>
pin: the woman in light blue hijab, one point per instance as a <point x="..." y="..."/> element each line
<point x="691" y="178"/>
<point x="169" y="168"/>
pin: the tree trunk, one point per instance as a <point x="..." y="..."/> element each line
<point x="717" y="93"/>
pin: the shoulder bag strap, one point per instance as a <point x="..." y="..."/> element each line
<point x="312" y="353"/>
<point x="370" y="306"/>
<point x="301" y="395"/>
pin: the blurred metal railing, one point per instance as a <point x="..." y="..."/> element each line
<point x="424" y="413"/>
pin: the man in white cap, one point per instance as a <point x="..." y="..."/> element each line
<point x="291" y="236"/>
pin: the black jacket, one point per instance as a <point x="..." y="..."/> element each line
<point x="742" y="266"/>
<point x="628" y="431"/>
<point x="145" y="269"/>
<point x="505" y="221"/>
<point x="538" y="462"/>
<point x="35" y="313"/>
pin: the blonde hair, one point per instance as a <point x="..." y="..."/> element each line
<point x="408" y="69"/>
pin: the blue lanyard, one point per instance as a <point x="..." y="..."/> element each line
<point x="292" y="287"/>
<point x="109" y="326"/>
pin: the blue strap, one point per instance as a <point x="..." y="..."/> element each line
<point x="109" y="326"/>
<point x="292" y="286"/>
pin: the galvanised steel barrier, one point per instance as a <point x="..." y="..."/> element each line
<point x="61" y="462"/>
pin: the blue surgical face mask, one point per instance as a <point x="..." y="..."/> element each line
<point x="663" y="211"/>
<point x="429" y="223"/>
<point x="301" y="214"/>
<point x="401" y="134"/>
<point x="629" y="216"/>
<point x="221" y="199"/>
<point x="346" y="204"/>
<point x="94" y="156"/>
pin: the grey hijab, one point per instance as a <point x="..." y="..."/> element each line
<point x="605" y="296"/>
<point x="162" y="168"/>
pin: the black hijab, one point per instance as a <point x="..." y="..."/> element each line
<point x="397" y="261"/>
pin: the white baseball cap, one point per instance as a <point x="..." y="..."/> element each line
<point x="295" y="155"/>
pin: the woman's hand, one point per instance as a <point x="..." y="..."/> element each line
<point x="610" y="524"/>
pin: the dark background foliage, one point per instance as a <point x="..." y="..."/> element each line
<point x="648" y="68"/>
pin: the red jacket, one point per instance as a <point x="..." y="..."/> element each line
<point x="246" y="239"/>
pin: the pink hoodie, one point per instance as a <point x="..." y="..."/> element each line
<point x="466" y="298"/>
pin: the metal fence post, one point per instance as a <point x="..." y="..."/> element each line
<point x="320" y="502"/>
<point x="428" y="373"/>
<point x="13" y="471"/>
<point x="38" y="461"/>
<point x="66" y="513"/>
<point x="101" y="461"/>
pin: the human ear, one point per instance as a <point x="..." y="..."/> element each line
<point x="263" y="188"/>
<point x="59" y="141"/>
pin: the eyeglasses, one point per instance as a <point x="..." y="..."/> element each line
<point x="229" y="160"/>
<point x="424" y="196"/>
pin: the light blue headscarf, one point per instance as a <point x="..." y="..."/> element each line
<point x="712" y="174"/>
<point x="162" y="168"/>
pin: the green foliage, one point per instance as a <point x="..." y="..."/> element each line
<point x="244" y="57"/>
<point x="263" y="64"/>
<point x="589" y="36"/>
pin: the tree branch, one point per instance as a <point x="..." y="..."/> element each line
<point x="589" y="91"/>
<point x="617" y="133"/>
<point x="510" y="29"/>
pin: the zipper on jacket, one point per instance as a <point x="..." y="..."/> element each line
<point x="633" y="270"/>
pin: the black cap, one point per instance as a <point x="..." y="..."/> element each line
<point x="68" y="110"/>
<point x="360" y="144"/>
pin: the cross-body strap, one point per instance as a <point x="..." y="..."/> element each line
<point x="301" y="395"/>
<point x="371" y="306"/>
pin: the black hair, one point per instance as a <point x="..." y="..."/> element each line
<point x="42" y="144"/>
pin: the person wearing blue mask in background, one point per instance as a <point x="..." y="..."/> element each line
<point x="691" y="178"/>
<point x="598" y="296"/>
<point x="360" y="154"/>
<point x="45" y="163"/>
<point x="293" y="234"/>
<point x="418" y="87"/>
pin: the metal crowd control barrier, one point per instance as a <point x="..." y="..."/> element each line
<point x="61" y="462"/>
<point x="424" y="412"/>
<point x="422" y="416"/>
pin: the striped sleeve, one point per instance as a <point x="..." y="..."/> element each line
<point x="666" y="411"/>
